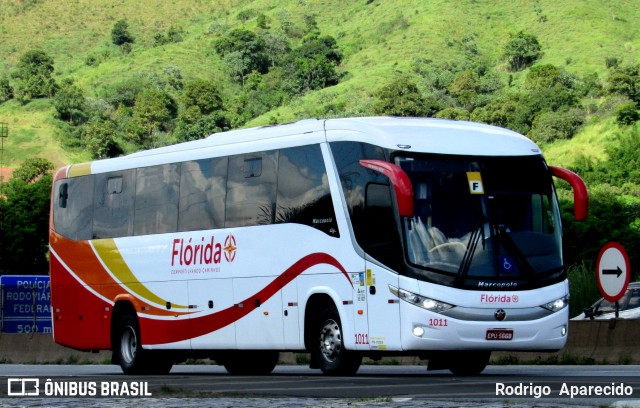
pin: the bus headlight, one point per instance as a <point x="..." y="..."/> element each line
<point x="557" y="304"/>
<point x="431" y="305"/>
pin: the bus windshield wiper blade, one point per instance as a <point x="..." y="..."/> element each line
<point x="475" y="237"/>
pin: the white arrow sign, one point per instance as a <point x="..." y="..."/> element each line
<point x="613" y="271"/>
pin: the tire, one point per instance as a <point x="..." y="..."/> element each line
<point x="251" y="362"/>
<point x="332" y="357"/>
<point x="469" y="362"/>
<point x="128" y="351"/>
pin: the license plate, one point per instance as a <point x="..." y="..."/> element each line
<point x="499" y="334"/>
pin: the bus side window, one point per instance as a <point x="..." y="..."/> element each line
<point x="73" y="212"/>
<point x="203" y="191"/>
<point x="113" y="207"/>
<point x="63" y="195"/>
<point x="157" y="197"/>
<point x="251" y="189"/>
<point x="303" y="190"/>
<point x="368" y="198"/>
<point x="252" y="167"/>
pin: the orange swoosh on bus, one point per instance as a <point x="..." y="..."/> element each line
<point x="163" y="331"/>
<point x="82" y="261"/>
<point x="108" y="252"/>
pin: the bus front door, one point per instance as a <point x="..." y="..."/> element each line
<point x="383" y="308"/>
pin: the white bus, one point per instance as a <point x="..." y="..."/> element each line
<point x="343" y="238"/>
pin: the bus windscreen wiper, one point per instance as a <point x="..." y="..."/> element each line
<point x="476" y="236"/>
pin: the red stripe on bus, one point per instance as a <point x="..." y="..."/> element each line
<point x="165" y="331"/>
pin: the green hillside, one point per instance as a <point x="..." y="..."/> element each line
<point x="378" y="40"/>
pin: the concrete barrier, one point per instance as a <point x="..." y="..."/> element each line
<point x="615" y="341"/>
<point x="40" y="348"/>
<point x="589" y="341"/>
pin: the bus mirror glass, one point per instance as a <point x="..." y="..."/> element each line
<point x="400" y="182"/>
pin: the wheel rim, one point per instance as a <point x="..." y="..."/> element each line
<point x="128" y="345"/>
<point x="331" y="340"/>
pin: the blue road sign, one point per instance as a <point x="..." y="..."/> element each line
<point x="26" y="304"/>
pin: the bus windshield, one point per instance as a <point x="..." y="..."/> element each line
<point x="486" y="222"/>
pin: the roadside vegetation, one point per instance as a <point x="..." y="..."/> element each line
<point x="123" y="77"/>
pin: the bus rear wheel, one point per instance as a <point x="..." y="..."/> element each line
<point x="129" y="353"/>
<point x="329" y="351"/>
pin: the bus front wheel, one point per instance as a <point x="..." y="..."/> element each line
<point x="469" y="362"/>
<point x="329" y="351"/>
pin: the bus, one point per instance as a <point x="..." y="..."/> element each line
<point x="342" y="238"/>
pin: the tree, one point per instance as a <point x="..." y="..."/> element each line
<point x="262" y="21"/>
<point x="173" y="35"/>
<point x="313" y="64"/>
<point x="402" y="98"/>
<point x="550" y="126"/>
<point x="193" y="125"/>
<point x="172" y="77"/>
<point x="203" y="94"/>
<point x="465" y="87"/>
<point x="125" y="93"/>
<point x="238" y="64"/>
<point x="260" y="94"/>
<point x="120" y="33"/>
<point x="521" y="50"/>
<point x="32" y="169"/>
<point x="625" y="81"/>
<point x="69" y="102"/>
<point x="453" y="113"/>
<point x="544" y="76"/>
<point x="313" y="73"/>
<point x="100" y="139"/>
<point x="33" y="76"/>
<point x="243" y="51"/>
<point x="276" y="47"/>
<point x="627" y="113"/>
<point x="6" y="91"/>
<point x="25" y="212"/>
<point x="152" y="111"/>
<point x="203" y="111"/>
<point x="315" y="45"/>
<point x="498" y="112"/>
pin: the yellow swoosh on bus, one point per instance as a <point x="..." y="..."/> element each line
<point x="81" y="169"/>
<point x="112" y="259"/>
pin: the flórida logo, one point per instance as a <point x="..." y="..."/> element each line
<point x="202" y="251"/>
<point x="230" y="248"/>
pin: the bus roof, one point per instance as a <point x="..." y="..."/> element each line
<point x="432" y="136"/>
<point x="412" y="134"/>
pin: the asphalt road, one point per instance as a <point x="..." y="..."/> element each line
<point x="395" y="385"/>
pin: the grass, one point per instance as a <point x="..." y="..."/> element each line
<point x="591" y="142"/>
<point x="169" y="390"/>
<point x="31" y="134"/>
<point x="583" y="289"/>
